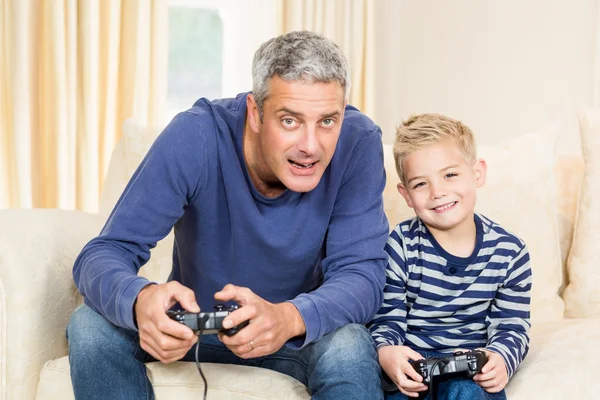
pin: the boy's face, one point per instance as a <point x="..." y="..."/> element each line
<point x="441" y="185"/>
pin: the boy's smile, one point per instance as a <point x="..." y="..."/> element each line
<point x="441" y="187"/>
<point x="444" y="207"/>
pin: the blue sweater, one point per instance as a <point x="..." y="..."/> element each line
<point x="322" y="250"/>
<point x="434" y="300"/>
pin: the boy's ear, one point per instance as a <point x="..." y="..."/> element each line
<point x="480" y="171"/>
<point x="253" y="113"/>
<point x="404" y="192"/>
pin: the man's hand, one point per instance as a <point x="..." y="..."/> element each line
<point x="270" y="325"/>
<point x="160" y="336"/>
<point x="494" y="375"/>
<point x="395" y="362"/>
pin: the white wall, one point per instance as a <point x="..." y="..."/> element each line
<point x="505" y="68"/>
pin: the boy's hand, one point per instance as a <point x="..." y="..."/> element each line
<point x="494" y="375"/>
<point x="395" y="362"/>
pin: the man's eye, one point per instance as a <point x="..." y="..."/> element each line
<point x="288" y="121"/>
<point x="327" y="122"/>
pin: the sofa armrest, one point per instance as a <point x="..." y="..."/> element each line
<point x="37" y="293"/>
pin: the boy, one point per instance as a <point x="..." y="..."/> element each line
<point x="455" y="279"/>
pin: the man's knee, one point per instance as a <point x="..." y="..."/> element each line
<point x="350" y="343"/>
<point x="89" y="333"/>
<point x="346" y="359"/>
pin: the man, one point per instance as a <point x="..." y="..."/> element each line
<point x="275" y="198"/>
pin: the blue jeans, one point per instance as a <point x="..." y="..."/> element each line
<point x="453" y="389"/>
<point x="107" y="362"/>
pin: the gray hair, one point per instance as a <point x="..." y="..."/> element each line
<point x="298" y="56"/>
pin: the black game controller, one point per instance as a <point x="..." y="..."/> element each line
<point x="207" y="322"/>
<point x="460" y="364"/>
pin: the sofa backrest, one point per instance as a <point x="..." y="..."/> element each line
<point x="566" y="172"/>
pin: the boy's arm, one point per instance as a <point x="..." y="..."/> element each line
<point x="389" y="324"/>
<point x="508" y="322"/>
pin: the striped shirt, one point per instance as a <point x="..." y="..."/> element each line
<point x="436" y="301"/>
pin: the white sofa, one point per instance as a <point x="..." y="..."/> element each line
<point x="528" y="191"/>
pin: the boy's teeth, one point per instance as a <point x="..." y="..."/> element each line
<point x="445" y="206"/>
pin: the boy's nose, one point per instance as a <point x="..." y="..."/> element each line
<point x="437" y="191"/>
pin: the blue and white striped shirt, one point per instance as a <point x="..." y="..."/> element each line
<point x="434" y="300"/>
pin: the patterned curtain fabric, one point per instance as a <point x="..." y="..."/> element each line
<point x="71" y="71"/>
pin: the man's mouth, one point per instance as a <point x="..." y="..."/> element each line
<point x="444" y="207"/>
<point x="302" y="165"/>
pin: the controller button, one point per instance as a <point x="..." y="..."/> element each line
<point x="219" y="307"/>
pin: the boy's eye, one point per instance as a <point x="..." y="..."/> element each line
<point x="451" y="175"/>
<point x="418" y="185"/>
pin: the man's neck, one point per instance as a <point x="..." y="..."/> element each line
<point x="251" y="155"/>
<point x="459" y="241"/>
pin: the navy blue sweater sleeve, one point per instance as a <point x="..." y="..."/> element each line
<point x="389" y="324"/>
<point x="509" y="320"/>
<point x="353" y="268"/>
<point x="105" y="272"/>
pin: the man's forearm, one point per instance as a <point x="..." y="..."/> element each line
<point x="108" y="284"/>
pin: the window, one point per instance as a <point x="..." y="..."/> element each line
<point x="211" y="45"/>
<point x="195" y="63"/>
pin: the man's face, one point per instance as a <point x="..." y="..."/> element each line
<point x="441" y="185"/>
<point x="296" y="140"/>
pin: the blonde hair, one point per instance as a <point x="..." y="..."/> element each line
<point x="422" y="130"/>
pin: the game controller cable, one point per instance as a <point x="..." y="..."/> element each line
<point x="206" y="323"/>
<point x="432" y="393"/>
<point x="201" y="323"/>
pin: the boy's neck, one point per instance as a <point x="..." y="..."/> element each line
<point x="459" y="241"/>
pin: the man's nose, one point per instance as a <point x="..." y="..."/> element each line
<point x="307" y="143"/>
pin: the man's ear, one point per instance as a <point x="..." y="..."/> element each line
<point x="480" y="171"/>
<point x="404" y="192"/>
<point x="253" y="114"/>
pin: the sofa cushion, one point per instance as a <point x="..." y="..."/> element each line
<point x="522" y="200"/>
<point x="568" y="174"/>
<point x="563" y="362"/>
<point x="519" y="194"/>
<point x="125" y="158"/>
<point x="181" y="380"/>
<point x="582" y="297"/>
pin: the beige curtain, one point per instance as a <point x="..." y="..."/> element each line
<point x="350" y="23"/>
<point x="596" y="73"/>
<point x="71" y="71"/>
